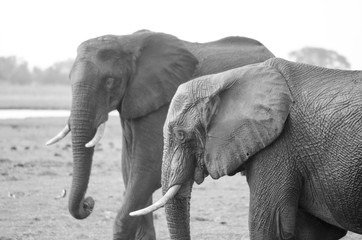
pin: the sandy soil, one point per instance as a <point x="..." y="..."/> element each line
<point x="32" y="177"/>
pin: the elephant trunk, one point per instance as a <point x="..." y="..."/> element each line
<point x="178" y="208"/>
<point x="82" y="129"/>
<point x="177" y="184"/>
<point x="178" y="216"/>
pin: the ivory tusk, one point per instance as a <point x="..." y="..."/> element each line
<point x="97" y="137"/>
<point x="160" y="203"/>
<point x="60" y="135"/>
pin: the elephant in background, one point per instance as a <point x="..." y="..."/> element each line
<point x="296" y="131"/>
<point x="138" y="75"/>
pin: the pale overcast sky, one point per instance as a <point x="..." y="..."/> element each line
<point x="45" y="31"/>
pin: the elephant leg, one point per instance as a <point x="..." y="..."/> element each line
<point x="146" y="228"/>
<point x="272" y="223"/>
<point x="311" y="228"/>
<point x="273" y="212"/>
<point x="138" y="195"/>
<point x="274" y="197"/>
<point x="141" y="165"/>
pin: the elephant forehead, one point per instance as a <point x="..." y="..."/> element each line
<point x="184" y="105"/>
<point x="181" y="102"/>
<point x="181" y="113"/>
<point x="84" y="70"/>
<point x="94" y="44"/>
<point x="189" y="94"/>
<point x="107" y="38"/>
<point x="101" y="40"/>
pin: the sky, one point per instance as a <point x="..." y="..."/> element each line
<point x="42" y="32"/>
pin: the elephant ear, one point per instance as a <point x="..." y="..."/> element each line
<point x="161" y="65"/>
<point x="244" y="118"/>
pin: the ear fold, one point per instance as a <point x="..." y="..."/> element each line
<point x="162" y="64"/>
<point x="210" y="109"/>
<point x="249" y="116"/>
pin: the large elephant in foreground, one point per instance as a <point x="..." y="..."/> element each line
<point x="138" y="75"/>
<point x="296" y="131"/>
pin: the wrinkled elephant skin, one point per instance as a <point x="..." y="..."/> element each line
<point x="296" y="132"/>
<point x="137" y="74"/>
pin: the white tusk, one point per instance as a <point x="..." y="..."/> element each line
<point x="97" y="137"/>
<point x="159" y="204"/>
<point x="60" y="135"/>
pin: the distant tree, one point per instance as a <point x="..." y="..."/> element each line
<point x="13" y="70"/>
<point x="64" y="67"/>
<point x="21" y="75"/>
<point x="7" y="66"/>
<point x="320" y="57"/>
<point x="37" y="75"/>
<point x="58" y="73"/>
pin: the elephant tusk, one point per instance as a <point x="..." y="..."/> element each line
<point x="60" y="135"/>
<point x="97" y="137"/>
<point x="159" y="204"/>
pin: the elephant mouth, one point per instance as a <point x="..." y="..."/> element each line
<point x="98" y="135"/>
<point x="200" y="174"/>
<point x="170" y="194"/>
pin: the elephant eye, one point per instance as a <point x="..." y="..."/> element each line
<point x="109" y="82"/>
<point x="180" y="135"/>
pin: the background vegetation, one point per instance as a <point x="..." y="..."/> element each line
<point x="320" y="57"/>
<point x="36" y="88"/>
<point x="16" y="71"/>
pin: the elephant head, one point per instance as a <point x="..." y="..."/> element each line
<point x="135" y="74"/>
<point x="214" y="125"/>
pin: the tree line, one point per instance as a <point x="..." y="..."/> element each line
<point x="17" y="72"/>
<point x="14" y="71"/>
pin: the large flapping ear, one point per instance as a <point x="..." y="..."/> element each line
<point x="249" y="116"/>
<point x="161" y="65"/>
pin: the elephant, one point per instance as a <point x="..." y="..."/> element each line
<point x="137" y="75"/>
<point x="294" y="130"/>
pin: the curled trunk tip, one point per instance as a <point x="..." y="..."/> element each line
<point x="83" y="210"/>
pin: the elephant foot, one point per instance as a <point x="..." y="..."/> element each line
<point x="311" y="228"/>
<point x="145" y="234"/>
<point x="142" y="229"/>
<point x="141" y="234"/>
<point x="138" y="237"/>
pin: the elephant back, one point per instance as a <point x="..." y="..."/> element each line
<point x="226" y="54"/>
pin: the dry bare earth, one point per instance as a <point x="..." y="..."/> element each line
<point x="32" y="176"/>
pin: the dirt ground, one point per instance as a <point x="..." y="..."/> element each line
<point x="33" y="176"/>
